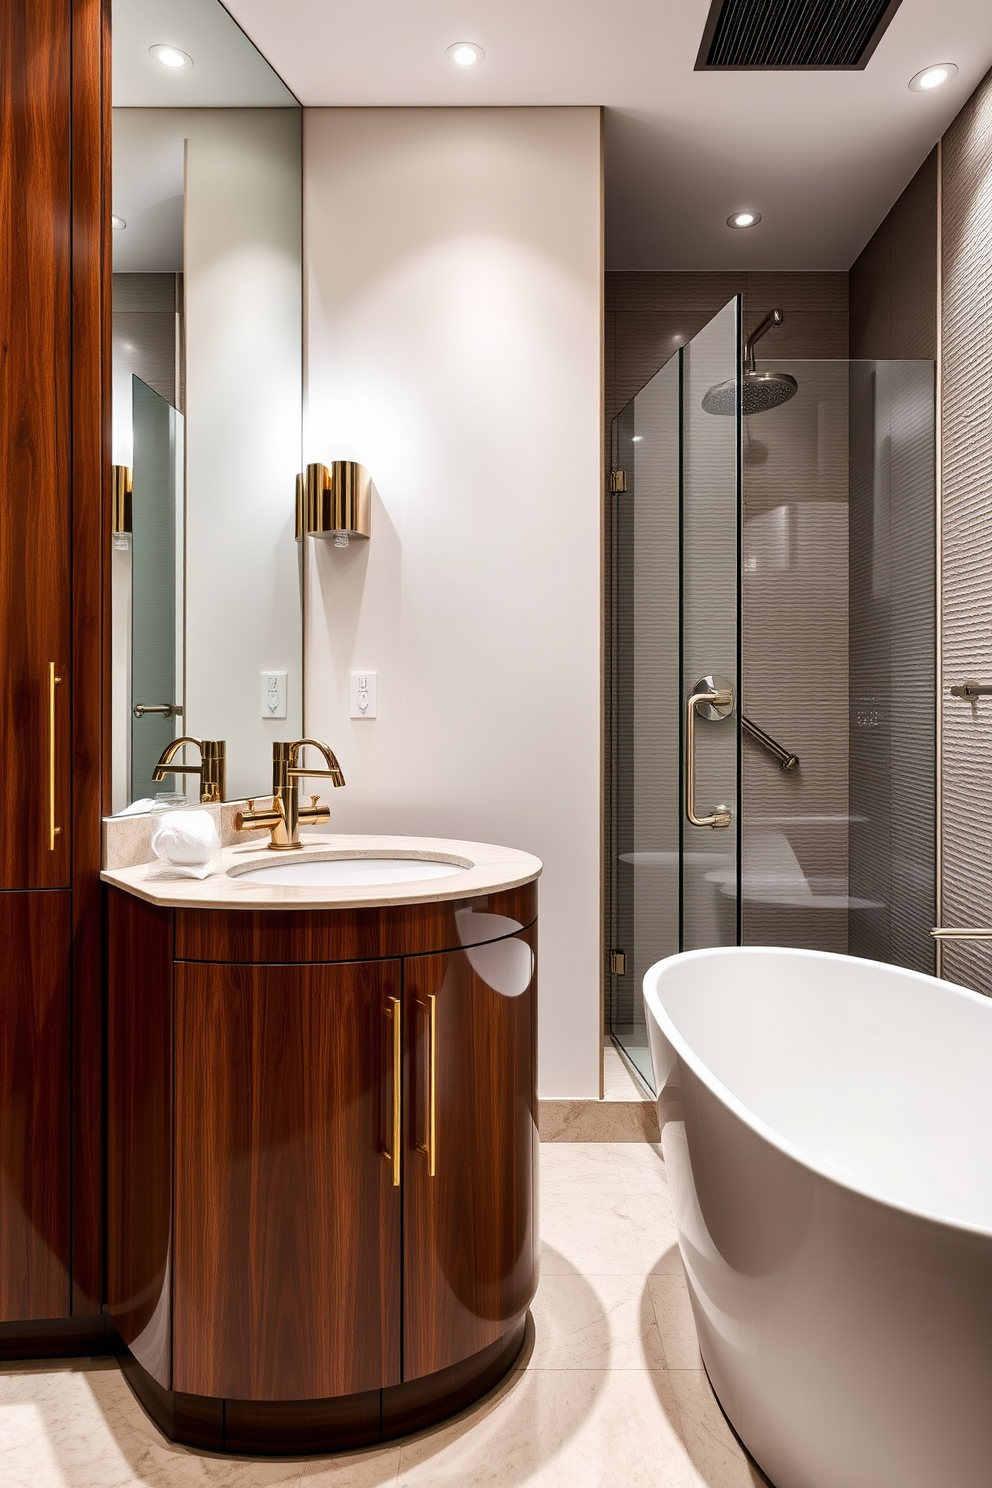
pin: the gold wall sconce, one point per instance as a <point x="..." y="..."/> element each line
<point x="121" y="489"/>
<point x="334" y="501"/>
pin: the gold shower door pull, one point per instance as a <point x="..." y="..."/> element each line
<point x="713" y="697"/>
<point x="53" y="830"/>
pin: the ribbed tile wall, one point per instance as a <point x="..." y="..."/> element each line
<point x="967" y="532"/>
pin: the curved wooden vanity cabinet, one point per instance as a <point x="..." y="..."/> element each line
<point x="284" y="1275"/>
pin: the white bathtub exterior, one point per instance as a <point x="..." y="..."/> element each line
<point x="827" y="1128"/>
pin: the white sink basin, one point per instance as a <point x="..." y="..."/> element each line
<point x="308" y="872"/>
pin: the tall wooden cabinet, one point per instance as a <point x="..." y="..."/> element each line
<point x="53" y="456"/>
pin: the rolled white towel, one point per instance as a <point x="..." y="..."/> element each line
<point x="186" y="841"/>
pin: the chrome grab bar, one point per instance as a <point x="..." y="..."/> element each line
<point x="786" y="759"/>
<point x="970" y="691"/>
<point x="716" y="695"/>
<point x="962" y="933"/>
<point x="167" y="710"/>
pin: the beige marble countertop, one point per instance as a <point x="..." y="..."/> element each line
<point x="490" y="870"/>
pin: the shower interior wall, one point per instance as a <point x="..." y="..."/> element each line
<point x="805" y="668"/>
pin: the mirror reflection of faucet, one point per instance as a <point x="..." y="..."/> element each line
<point x="285" y="817"/>
<point x="212" y="768"/>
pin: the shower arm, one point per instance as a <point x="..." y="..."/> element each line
<point x="786" y="759"/>
<point x="773" y="318"/>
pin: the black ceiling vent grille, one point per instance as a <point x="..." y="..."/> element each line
<point x="821" y="34"/>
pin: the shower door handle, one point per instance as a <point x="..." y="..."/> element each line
<point x="716" y="695"/>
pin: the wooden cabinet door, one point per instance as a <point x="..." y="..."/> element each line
<point x="287" y="1224"/>
<point x="470" y="1213"/>
<point x="34" y="1106"/>
<point x="35" y="344"/>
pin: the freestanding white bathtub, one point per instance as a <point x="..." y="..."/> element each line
<point x="827" y="1128"/>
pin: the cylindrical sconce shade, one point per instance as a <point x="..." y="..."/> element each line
<point x="334" y="501"/>
<point x="121" y="499"/>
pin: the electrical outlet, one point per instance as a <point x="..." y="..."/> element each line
<point x="273" y="694"/>
<point x="363" y="694"/>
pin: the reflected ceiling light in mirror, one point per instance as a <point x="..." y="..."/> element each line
<point x="743" y="219"/>
<point x="117" y="223"/>
<point x="465" y="54"/>
<point x="170" y="56"/>
<point x="933" y="77"/>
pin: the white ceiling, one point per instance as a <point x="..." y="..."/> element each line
<point x="821" y="155"/>
<point x="227" y="70"/>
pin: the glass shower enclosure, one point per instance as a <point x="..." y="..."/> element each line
<point x="771" y="666"/>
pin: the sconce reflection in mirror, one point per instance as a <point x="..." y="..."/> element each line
<point x="334" y="501"/>
<point x="121" y="505"/>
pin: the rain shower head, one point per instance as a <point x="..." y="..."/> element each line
<point x="759" y="390"/>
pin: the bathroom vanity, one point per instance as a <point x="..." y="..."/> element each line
<point x="321" y="1140"/>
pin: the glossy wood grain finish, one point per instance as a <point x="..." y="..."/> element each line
<point x="34" y="1129"/>
<point x="139" y="1129"/>
<point x="287" y="1225"/>
<point x="279" y="936"/>
<point x="35" y="349"/>
<point x="470" y="1244"/>
<point x="337" y="1424"/>
<point x="91" y="624"/>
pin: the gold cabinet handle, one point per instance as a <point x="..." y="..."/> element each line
<point x="53" y="830"/>
<point x="429" y="1145"/>
<point x="394" y="1012"/>
<point x="721" y="700"/>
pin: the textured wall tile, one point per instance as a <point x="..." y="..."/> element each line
<point x="967" y="534"/>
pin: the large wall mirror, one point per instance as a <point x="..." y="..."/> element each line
<point x="207" y="397"/>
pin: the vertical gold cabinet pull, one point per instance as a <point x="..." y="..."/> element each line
<point x="393" y="1155"/>
<point x="53" y="830"/>
<point x="429" y="1146"/>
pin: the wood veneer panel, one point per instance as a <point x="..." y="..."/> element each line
<point x="469" y="1233"/>
<point x="287" y="1224"/>
<point x="91" y="622"/>
<point x="139" y="1128"/>
<point x="34" y="1106"/>
<point x="35" y="342"/>
<point x="276" y="936"/>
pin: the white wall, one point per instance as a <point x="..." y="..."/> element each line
<point x="454" y="269"/>
<point x="243" y="410"/>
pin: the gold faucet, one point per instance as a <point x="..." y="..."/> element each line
<point x="284" y="818"/>
<point x="212" y="768"/>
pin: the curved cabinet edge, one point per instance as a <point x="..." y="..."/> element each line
<point x="292" y="1428"/>
<point x="258" y="937"/>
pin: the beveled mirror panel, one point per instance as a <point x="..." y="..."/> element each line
<point x="207" y="183"/>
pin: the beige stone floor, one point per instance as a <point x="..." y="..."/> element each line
<point x="609" y="1393"/>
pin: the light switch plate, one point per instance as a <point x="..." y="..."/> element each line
<point x="273" y="694"/>
<point x="363" y="694"/>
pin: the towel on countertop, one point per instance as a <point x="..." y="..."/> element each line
<point x="186" y="845"/>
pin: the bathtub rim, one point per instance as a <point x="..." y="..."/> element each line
<point x="744" y="1113"/>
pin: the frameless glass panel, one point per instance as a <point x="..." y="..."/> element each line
<point x="674" y="597"/>
<point x="155" y="517"/>
<point x="645" y="714"/>
<point x="838" y="646"/>
<point x="709" y="629"/>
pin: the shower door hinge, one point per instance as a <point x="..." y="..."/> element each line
<point x="618" y="482"/>
<point x="618" y="963"/>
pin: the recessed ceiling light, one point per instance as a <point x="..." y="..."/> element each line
<point x="933" y="77"/>
<point x="743" y="219"/>
<point x="117" y="223"/>
<point x="465" y="54"/>
<point x="170" y="56"/>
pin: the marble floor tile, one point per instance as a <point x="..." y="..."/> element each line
<point x="578" y="1165"/>
<point x="591" y="1233"/>
<point x="595" y="1322"/>
<point x="639" y="1167"/>
<point x="651" y="1220"/>
<point x="673" y="1312"/>
<point x="376" y="1468"/>
<point x="712" y="1446"/>
<point x="561" y="1429"/>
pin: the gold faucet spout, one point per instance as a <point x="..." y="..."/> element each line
<point x="297" y="771"/>
<point x="212" y="768"/>
<point x="286" y="815"/>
